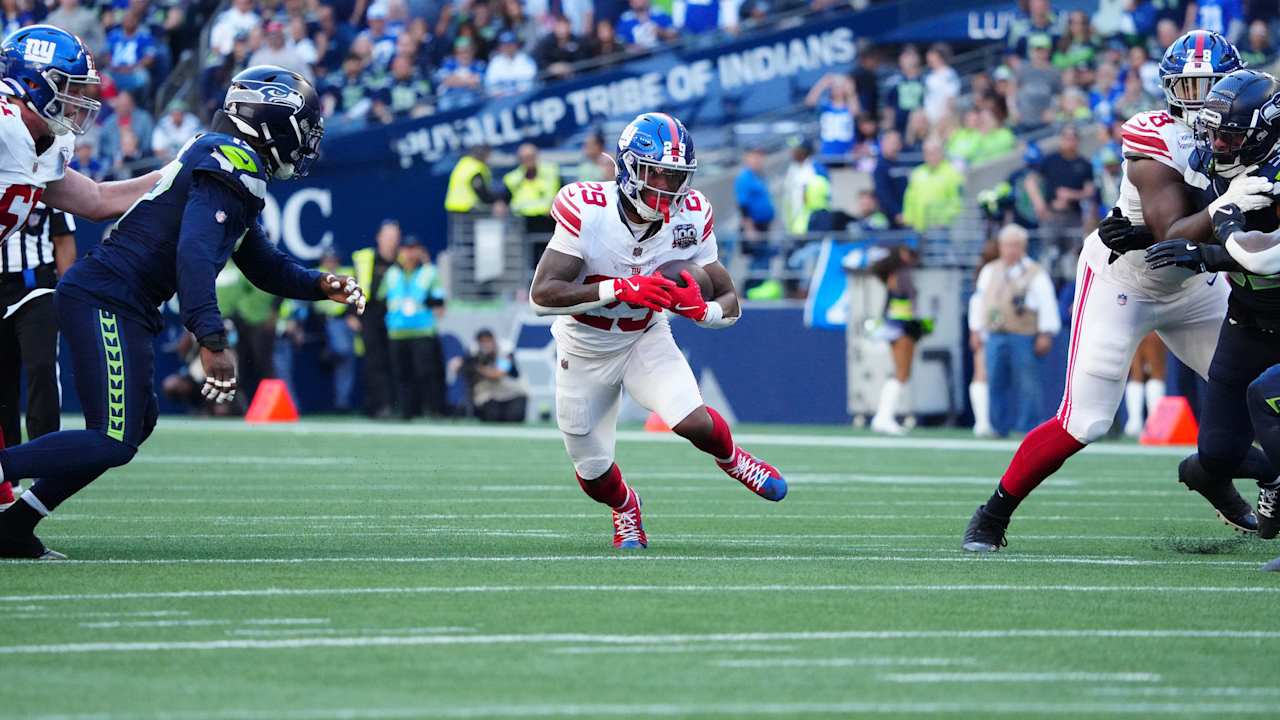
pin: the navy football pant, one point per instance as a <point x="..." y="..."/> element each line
<point x="114" y="364"/>
<point x="1226" y="428"/>
<point x="1264" y="410"/>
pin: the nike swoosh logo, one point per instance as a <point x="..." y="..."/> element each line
<point x="633" y="286"/>
<point x="678" y="308"/>
<point x="1191" y="247"/>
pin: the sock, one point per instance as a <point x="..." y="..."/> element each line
<point x="1002" y="504"/>
<point x="1154" y="392"/>
<point x="21" y="517"/>
<point x="720" y="444"/>
<point x="1133" y="403"/>
<point x="1041" y="453"/>
<point x="889" y="395"/>
<point x="50" y="492"/>
<point x="609" y="490"/>
<point x="980" y="400"/>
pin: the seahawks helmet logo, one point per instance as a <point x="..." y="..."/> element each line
<point x="252" y="91"/>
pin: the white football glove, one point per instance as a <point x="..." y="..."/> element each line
<point x="1247" y="192"/>
<point x="219" y="391"/>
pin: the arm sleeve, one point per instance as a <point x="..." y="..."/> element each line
<point x="204" y="244"/>
<point x="1257" y="252"/>
<point x="274" y="272"/>
<point x="1047" y="319"/>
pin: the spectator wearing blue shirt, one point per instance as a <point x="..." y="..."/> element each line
<point x="755" y="206"/>
<point x="645" y="28"/>
<point x="381" y="35"/>
<point x="14" y="17"/>
<point x="132" y="50"/>
<point x="86" y="162"/>
<point x="904" y="93"/>
<point x="697" y="17"/>
<point x="1225" y="17"/>
<point x="460" y="77"/>
<point x="415" y="304"/>
<point x="837" y="107"/>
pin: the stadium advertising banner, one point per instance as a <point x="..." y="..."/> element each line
<point x="744" y="78"/>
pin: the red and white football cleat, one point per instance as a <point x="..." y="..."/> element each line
<point x="628" y="528"/>
<point x="759" y="476"/>
<point x="6" y="495"/>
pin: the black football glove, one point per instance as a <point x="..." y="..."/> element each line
<point x="1226" y="220"/>
<point x="1192" y="256"/>
<point x="1121" y="236"/>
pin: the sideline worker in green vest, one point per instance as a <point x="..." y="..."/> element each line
<point x="469" y="182"/>
<point x="371" y="265"/>
<point x="340" y="328"/>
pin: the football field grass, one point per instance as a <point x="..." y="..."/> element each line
<point x="349" y="570"/>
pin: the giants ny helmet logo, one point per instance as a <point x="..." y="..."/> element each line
<point x="39" y="51"/>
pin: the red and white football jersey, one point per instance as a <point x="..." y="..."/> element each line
<point x="590" y="225"/>
<point x="23" y="174"/>
<point x="1156" y="135"/>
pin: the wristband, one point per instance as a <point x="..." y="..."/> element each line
<point x="608" y="291"/>
<point x="714" y="318"/>
<point x="216" y="342"/>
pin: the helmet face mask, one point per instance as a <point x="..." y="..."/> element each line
<point x="1187" y="92"/>
<point x="72" y="110"/>
<point x="661" y="188"/>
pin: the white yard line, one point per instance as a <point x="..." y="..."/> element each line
<point x="655" y="558"/>
<point x="512" y="589"/>
<point x="757" y="709"/>
<point x="113" y="624"/>
<point x="1020" y="677"/>
<point x="482" y="432"/>
<point x="587" y="638"/>
<point x="846" y="662"/>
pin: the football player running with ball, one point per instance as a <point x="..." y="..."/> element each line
<point x="1119" y="299"/>
<point x="599" y="276"/>
<point x="176" y="239"/>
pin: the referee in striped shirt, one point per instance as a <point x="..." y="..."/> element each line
<point x="31" y="262"/>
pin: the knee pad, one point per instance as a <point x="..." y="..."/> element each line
<point x="593" y="467"/>
<point x="1264" y="394"/>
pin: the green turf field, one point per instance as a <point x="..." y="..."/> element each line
<point x="399" y="571"/>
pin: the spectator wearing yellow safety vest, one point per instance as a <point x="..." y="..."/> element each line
<point x="469" y="182"/>
<point x="529" y="189"/>
<point x="371" y="265"/>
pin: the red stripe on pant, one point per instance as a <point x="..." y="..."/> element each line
<point x="1064" y="410"/>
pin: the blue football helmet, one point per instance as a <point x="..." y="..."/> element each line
<point x="1240" y="121"/>
<point x="1191" y="65"/>
<point x="655" y="165"/>
<point x="276" y="111"/>
<point x="49" y="69"/>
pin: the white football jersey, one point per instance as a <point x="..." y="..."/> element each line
<point x="590" y="225"/>
<point x="23" y="174"/>
<point x="1158" y="136"/>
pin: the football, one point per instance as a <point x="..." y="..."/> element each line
<point x="672" y="270"/>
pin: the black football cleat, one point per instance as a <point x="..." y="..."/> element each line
<point x="1268" y="511"/>
<point x="28" y="548"/>
<point x="1232" y="509"/>
<point x="985" y="532"/>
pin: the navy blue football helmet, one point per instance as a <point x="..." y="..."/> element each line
<point x="49" y="69"/>
<point x="276" y="111"/>
<point x="1240" y="121"/>
<point x="655" y="165"/>
<point x="1191" y="65"/>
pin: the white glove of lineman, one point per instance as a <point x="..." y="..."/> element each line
<point x="1247" y="192"/>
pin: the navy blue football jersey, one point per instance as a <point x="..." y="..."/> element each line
<point x="1255" y="299"/>
<point x="178" y="237"/>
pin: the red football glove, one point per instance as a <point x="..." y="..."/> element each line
<point x="688" y="300"/>
<point x="647" y="291"/>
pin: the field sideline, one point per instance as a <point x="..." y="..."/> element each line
<point x="352" y="570"/>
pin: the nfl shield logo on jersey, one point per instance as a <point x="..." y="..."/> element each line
<point x="685" y="237"/>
